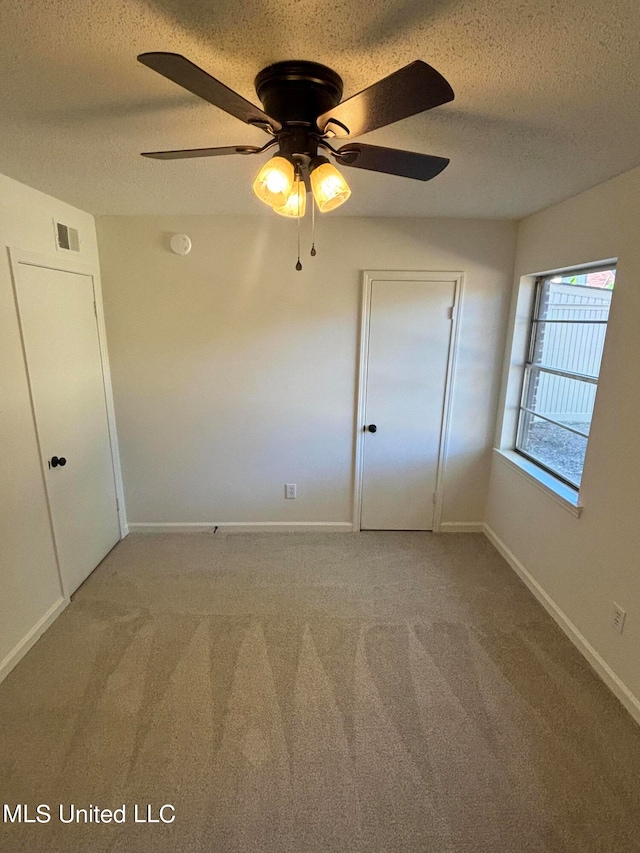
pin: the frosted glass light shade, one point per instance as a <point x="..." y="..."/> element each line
<point x="330" y="189"/>
<point x="296" y="204"/>
<point x="274" y="182"/>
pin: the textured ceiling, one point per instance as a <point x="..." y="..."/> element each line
<point x="547" y="98"/>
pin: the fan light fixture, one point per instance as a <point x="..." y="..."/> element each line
<point x="274" y="185"/>
<point x="329" y="188"/>
<point x="296" y="204"/>
<point x="274" y="182"/>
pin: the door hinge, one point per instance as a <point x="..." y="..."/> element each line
<point x="435" y="497"/>
<point x="95" y="310"/>
<point x="451" y="311"/>
<point x="117" y="504"/>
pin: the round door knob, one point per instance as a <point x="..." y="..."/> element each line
<point x="372" y="428"/>
<point x="58" y="460"/>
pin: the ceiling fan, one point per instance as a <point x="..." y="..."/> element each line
<point x="302" y="111"/>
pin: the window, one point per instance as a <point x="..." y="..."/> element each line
<point x="568" y="329"/>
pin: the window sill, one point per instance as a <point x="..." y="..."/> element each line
<point x="562" y="494"/>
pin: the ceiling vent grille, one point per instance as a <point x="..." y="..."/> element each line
<point x="67" y="238"/>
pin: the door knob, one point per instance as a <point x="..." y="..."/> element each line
<point x="372" y="428"/>
<point x="58" y="460"/>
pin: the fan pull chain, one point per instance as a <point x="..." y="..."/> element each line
<point x="298" y="265"/>
<point x="313" y="228"/>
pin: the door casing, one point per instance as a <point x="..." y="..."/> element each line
<point x="368" y="277"/>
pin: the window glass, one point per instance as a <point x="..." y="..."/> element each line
<point x="568" y="331"/>
<point x="557" y="449"/>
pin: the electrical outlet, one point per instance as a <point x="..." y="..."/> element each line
<point x="290" y="491"/>
<point x="618" y="615"/>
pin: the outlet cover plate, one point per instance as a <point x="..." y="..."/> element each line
<point x="618" y="615"/>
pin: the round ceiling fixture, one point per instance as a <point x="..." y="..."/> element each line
<point x="180" y="244"/>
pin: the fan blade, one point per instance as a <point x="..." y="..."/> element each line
<point x="393" y="161"/>
<point x="182" y="71"/>
<point x="413" y="89"/>
<point x="201" y="152"/>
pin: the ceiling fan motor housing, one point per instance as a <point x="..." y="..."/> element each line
<point x="295" y="93"/>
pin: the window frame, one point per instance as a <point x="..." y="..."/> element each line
<point x="530" y="368"/>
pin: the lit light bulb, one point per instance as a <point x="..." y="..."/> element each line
<point x="330" y="189"/>
<point x="274" y="182"/>
<point x="296" y="204"/>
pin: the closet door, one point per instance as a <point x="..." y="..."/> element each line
<point x="409" y="336"/>
<point x="64" y="364"/>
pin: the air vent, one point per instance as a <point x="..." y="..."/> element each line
<point x="67" y="238"/>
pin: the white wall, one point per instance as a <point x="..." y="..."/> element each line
<point x="29" y="582"/>
<point x="584" y="564"/>
<point x="234" y="374"/>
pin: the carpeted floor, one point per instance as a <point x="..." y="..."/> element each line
<point x="308" y="693"/>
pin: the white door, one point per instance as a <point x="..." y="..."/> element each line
<point x="406" y="376"/>
<point x="60" y="337"/>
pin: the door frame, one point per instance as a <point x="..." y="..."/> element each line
<point x="368" y="277"/>
<point x="19" y="257"/>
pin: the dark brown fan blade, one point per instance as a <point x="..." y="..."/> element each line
<point x="411" y="90"/>
<point x="393" y="161"/>
<point x="180" y="70"/>
<point x="201" y="152"/>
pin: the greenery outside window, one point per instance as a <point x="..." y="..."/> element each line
<point x="568" y="329"/>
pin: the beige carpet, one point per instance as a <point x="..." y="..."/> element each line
<point x="381" y="692"/>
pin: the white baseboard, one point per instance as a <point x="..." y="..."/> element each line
<point x="277" y="527"/>
<point x="462" y="527"/>
<point x="613" y="682"/>
<point x="244" y="527"/>
<point x="17" y="653"/>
